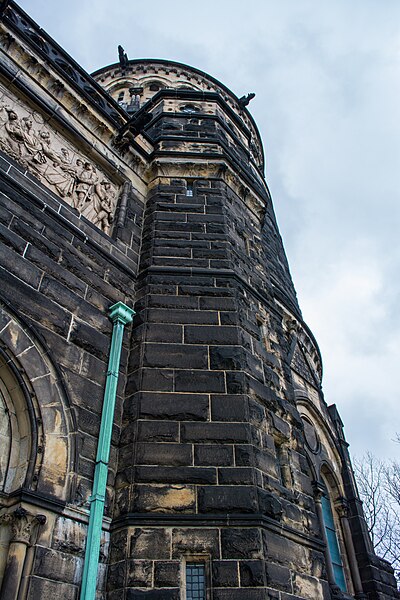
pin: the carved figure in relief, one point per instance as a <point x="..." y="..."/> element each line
<point x="86" y="179"/>
<point x="61" y="173"/>
<point x="32" y="150"/>
<point x="13" y="128"/>
<point x="71" y="177"/>
<point x="103" y="205"/>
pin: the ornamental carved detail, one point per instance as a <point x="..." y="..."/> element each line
<point x="22" y="523"/>
<point x="26" y="137"/>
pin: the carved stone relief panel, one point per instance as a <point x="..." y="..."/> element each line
<point x="25" y="136"/>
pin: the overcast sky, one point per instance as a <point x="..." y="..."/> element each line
<point x="326" y="77"/>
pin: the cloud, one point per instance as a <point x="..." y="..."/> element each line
<point x="327" y="80"/>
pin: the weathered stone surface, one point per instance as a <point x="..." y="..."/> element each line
<point x="230" y="499"/>
<point x="45" y="589"/>
<point x="252" y="573"/>
<point x="179" y="407"/>
<point x="150" y="543"/>
<point x="166" y="574"/>
<point x="243" y="543"/>
<point x="195" y="541"/>
<point x="164" y="498"/>
<point x="165" y="594"/>
<point x="225" y="573"/>
<point x="139" y="573"/>
<point x="164" y="454"/>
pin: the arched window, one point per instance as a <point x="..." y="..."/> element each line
<point x="15" y="431"/>
<point x="330" y="492"/>
<point x="333" y="543"/>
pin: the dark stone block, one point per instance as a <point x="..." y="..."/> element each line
<point x="33" y="304"/>
<point x="270" y="505"/>
<point x="236" y="475"/>
<point x="161" y="332"/>
<point x="182" y="316"/>
<point x="216" y="303"/>
<point x="177" y="356"/>
<point x="225" y="573"/>
<point x="278" y="577"/>
<point x="235" y="383"/>
<point x="173" y="301"/>
<point x="158" y="380"/>
<point x="90" y="339"/>
<point x="252" y="573"/>
<point x="116" y="575"/>
<point x="218" y="432"/>
<point x="83" y="391"/>
<point x="243" y="543"/>
<point x="197" y="290"/>
<point x="46" y="589"/>
<point x="11" y="239"/>
<point x="213" y="455"/>
<point x="158" y="431"/>
<point x="88" y="421"/>
<point x="181" y="407"/>
<point x="150" y="543"/>
<point x="166" y="574"/>
<point x="229" y="499"/>
<point x="195" y="541"/>
<point x="55" y="565"/>
<point x="211" y="335"/>
<point x="229" y="358"/>
<point x="49" y="264"/>
<point x="229" y="408"/>
<point x="23" y="269"/>
<point x="139" y="574"/>
<point x="164" y="454"/>
<point x="176" y="475"/>
<point x="240" y="594"/>
<point x="162" y="594"/>
<point x="199" y="381"/>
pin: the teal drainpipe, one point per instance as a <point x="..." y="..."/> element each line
<point x="120" y="315"/>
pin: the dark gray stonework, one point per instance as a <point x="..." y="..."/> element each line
<point x="222" y="443"/>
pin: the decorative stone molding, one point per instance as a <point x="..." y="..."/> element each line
<point x="22" y="523"/>
<point x="25" y="136"/>
<point x="160" y="169"/>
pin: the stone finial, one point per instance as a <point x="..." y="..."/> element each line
<point x="123" y="57"/>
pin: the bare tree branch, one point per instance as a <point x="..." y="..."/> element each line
<point x="379" y="487"/>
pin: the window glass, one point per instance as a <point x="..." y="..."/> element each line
<point x="189" y="189"/>
<point x="195" y="581"/>
<point x="333" y="544"/>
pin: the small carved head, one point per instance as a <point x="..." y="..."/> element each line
<point x="27" y="122"/>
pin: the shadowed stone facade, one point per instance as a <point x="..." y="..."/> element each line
<point x="144" y="183"/>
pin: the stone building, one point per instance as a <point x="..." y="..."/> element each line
<point x="142" y="186"/>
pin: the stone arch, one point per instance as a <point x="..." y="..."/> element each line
<point x="329" y="478"/>
<point x="19" y="425"/>
<point x="41" y="406"/>
<point x="324" y="451"/>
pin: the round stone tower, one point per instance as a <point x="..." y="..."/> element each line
<point x="234" y="479"/>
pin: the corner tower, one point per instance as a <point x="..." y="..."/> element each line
<point x="232" y="466"/>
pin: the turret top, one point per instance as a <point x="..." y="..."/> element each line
<point x="133" y="82"/>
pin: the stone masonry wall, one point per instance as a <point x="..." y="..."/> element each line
<point x="60" y="275"/>
<point x="204" y="414"/>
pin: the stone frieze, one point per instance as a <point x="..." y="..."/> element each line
<point x="25" y="136"/>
